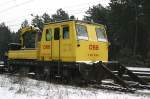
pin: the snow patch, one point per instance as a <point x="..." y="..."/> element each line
<point x="12" y="87"/>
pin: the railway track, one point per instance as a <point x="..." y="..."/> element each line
<point x="1" y="66"/>
<point x="125" y="84"/>
<point x="143" y="73"/>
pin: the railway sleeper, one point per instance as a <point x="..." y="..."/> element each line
<point x="116" y="71"/>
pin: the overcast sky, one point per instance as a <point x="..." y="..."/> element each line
<point x="13" y="12"/>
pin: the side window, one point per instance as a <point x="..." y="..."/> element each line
<point x="39" y="36"/>
<point x="56" y="33"/>
<point x="66" y="32"/>
<point x="101" y="36"/>
<point x="82" y="32"/>
<point x="29" y="39"/>
<point x="48" y="34"/>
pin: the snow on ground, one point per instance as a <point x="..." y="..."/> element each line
<point x="25" y="88"/>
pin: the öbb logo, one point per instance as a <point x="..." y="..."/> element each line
<point x="46" y="46"/>
<point x="93" y="47"/>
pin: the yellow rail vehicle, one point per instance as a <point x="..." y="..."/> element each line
<point x="69" y="41"/>
<point x="71" y="50"/>
<point x="61" y="45"/>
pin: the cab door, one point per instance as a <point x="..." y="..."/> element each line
<point x="45" y="44"/>
<point x="66" y="43"/>
<point x="56" y="44"/>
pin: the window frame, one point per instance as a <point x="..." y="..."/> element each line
<point x="49" y="32"/>
<point x="84" y="38"/>
<point x="39" y="34"/>
<point x="104" y="33"/>
<point x="58" y="38"/>
<point x="32" y="41"/>
<point x="64" y="38"/>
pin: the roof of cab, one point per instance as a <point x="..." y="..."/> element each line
<point x="28" y="28"/>
<point x="87" y="22"/>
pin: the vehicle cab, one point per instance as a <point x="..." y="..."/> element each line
<point x="74" y="41"/>
<point x="29" y="44"/>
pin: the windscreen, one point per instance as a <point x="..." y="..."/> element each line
<point x="81" y="32"/>
<point x="101" y="35"/>
<point x="29" y="39"/>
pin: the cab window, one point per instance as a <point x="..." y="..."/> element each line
<point x="56" y="33"/>
<point x="66" y="32"/>
<point x="48" y="34"/>
<point x="82" y="32"/>
<point x="39" y="36"/>
<point x="29" y="39"/>
<point x="101" y="36"/>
